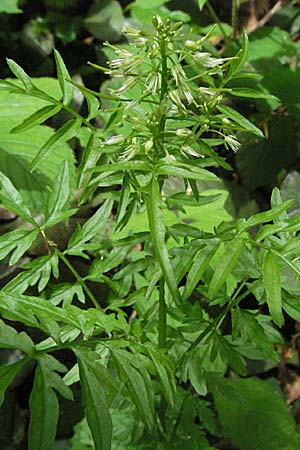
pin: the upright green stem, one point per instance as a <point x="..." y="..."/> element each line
<point x="162" y="324"/>
<point x="79" y="279"/>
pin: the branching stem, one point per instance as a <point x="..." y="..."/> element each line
<point x="79" y="279"/>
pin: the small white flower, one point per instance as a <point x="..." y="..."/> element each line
<point x="206" y="91"/>
<point x="189" y="151"/>
<point x="183" y="132"/>
<point x="130" y="151"/>
<point x="148" y="145"/>
<point x="114" y="140"/>
<point x="175" y="97"/>
<point x="153" y="82"/>
<point x="131" y="32"/>
<point x="169" y="159"/>
<point x="233" y="143"/>
<point x="178" y="74"/>
<point x="205" y="59"/>
<point x="192" y="45"/>
<point x="185" y="90"/>
<point x="129" y="83"/>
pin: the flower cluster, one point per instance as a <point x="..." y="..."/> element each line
<point x="168" y="68"/>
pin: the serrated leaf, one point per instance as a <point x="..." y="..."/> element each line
<point x="134" y="267"/>
<point x="10" y="338"/>
<point x="63" y="134"/>
<point x="89" y="159"/>
<point x="200" y="264"/>
<point x="226" y="264"/>
<point x="196" y="374"/>
<point x="63" y="75"/>
<point x="107" y="263"/>
<point x="18" y="241"/>
<point x="8" y="373"/>
<point x="44" y="411"/>
<point x="95" y="402"/>
<point x="12" y="200"/>
<point x="89" y="230"/>
<point x="60" y="192"/>
<point x="50" y="366"/>
<point x="37" y="271"/>
<point x="272" y="284"/>
<point x="138" y="383"/>
<point x="37" y="118"/>
<point x="253" y="415"/>
<point x="65" y="292"/>
<point x="232" y="114"/>
<point x="249" y="325"/>
<point x="165" y="372"/>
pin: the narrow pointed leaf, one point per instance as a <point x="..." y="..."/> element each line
<point x="188" y="173"/>
<point x="63" y="134"/>
<point x="37" y="118"/>
<point x="232" y="114"/>
<point x="63" y="75"/>
<point x="60" y="191"/>
<point x="20" y="74"/>
<point x="89" y="159"/>
<point x="12" y="200"/>
<point x="272" y="284"/>
<point x="124" y="198"/>
<point x="226" y="264"/>
<point x="200" y="264"/>
<point x="242" y="57"/>
<point x="27" y="82"/>
<point x="95" y="224"/>
<point x="267" y="216"/>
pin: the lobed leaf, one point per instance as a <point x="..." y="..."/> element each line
<point x="11" y="199"/>
<point x="95" y="402"/>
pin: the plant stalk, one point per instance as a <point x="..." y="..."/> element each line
<point x="162" y="324"/>
<point x="79" y="279"/>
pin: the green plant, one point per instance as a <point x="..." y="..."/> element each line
<point x="172" y="323"/>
